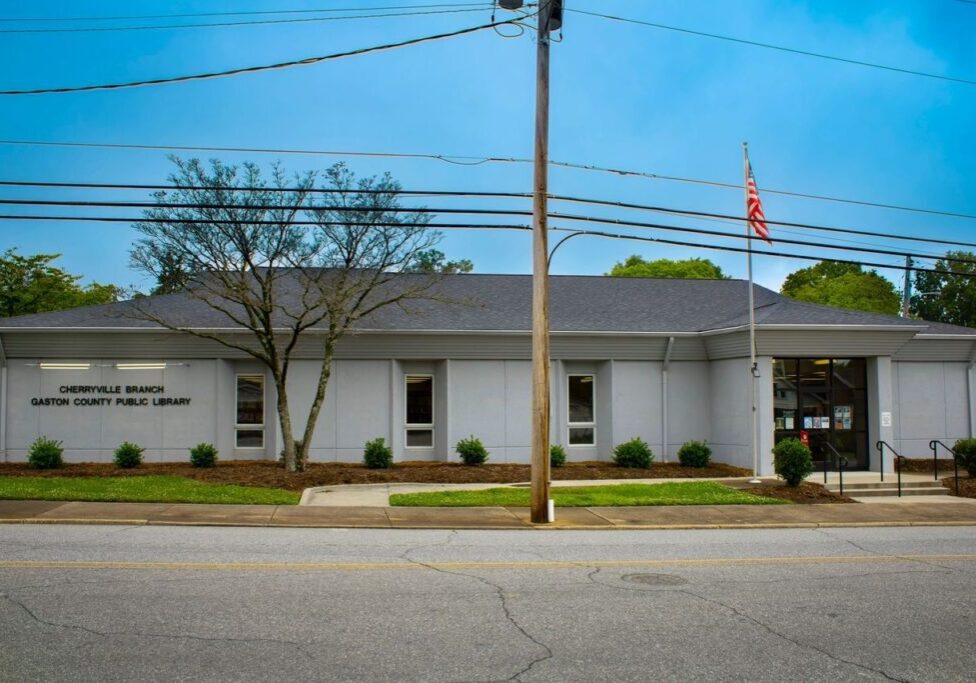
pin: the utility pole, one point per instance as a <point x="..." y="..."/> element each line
<point x="906" y="294"/>
<point x="541" y="512"/>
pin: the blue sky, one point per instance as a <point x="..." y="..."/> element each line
<point x="623" y="96"/>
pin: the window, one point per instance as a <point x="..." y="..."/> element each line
<point x="582" y="424"/>
<point x="420" y="411"/>
<point x="250" y="411"/>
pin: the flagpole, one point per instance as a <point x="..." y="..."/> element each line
<point x="752" y="321"/>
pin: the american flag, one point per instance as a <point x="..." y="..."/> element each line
<point x="754" y="210"/>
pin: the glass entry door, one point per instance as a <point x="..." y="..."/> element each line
<point x="823" y="400"/>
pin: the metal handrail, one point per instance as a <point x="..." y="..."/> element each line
<point x="841" y="464"/>
<point x="934" y="445"/>
<point x="881" y="445"/>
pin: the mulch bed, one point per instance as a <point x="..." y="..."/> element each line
<point x="807" y="492"/>
<point x="924" y="465"/>
<point x="266" y="473"/>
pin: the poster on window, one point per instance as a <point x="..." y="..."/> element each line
<point x="842" y="416"/>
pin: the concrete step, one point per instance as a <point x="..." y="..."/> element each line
<point x="886" y="484"/>
<point x="856" y="492"/>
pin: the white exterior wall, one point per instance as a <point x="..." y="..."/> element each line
<point x="731" y="402"/>
<point x="931" y="401"/>
<point x="91" y="433"/>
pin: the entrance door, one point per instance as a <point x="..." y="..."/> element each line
<point x="827" y="399"/>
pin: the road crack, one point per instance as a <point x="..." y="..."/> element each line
<point x="739" y="613"/>
<point x="503" y="599"/>
<point x="300" y="647"/>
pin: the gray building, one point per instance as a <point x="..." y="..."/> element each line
<point x="664" y="360"/>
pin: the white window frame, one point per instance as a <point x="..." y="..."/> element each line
<point x="409" y="426"/>
<point x="581" y="425"/>
<point x="251" y="427"/>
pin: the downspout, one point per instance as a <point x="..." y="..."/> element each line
<point x="971" y="385"/>
<point x="664" y="398"/>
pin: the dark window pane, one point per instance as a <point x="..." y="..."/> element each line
<point x="850" y="373"/>
<point x="580" y="436"/>
<point x="420" y="438"/>
<point x="250" y="438"/>
<point x="250" y="400"/>
<point x="581" y="398"/>
<point x="785" y="394"/>
<point x="420" y="400"/>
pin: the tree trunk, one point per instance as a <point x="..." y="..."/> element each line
<point x="284" y="420"/>
<point x="317" y="403"/>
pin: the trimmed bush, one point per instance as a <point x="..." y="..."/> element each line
<point x="128" y="455"/>
<point x="45" y="454"/>
<point x="300" y="462"/>
<point x="792" y="461"/>
<point x="966" y="454"/>
<point x="557" y="455"/>
<point x="377" y="455"/>
<point x="694" y="454"/>
<point x="203" y="455"/>
<point x="633" y="453"/>
<point x="472" y="451"/>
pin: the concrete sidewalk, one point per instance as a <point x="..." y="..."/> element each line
<point x="657" y="517"/>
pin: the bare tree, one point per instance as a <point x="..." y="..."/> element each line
<point x="283" y="262"/>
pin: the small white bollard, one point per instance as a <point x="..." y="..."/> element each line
<point x="551" y="512"/>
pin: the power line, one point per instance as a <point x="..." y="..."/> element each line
<point x="525" y="228"/>
<point x="704" y="215"/>
<point x="235" y="14"/>
<point x="467" y="160"/>
<point x="428" y="210"/>
<point x="781" y="48"/>
<point x="267" y="67"/>
<point x="104" y="29"/>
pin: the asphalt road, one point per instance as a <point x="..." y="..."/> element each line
<point x="165" y="603"/>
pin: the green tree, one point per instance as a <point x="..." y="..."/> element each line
<point x="274" y="277"/>
<point x="948" y="298"/>
<point x="844" y="285"/>
<point x="434" y="261"/>
<point x="697" y="268"/>
<point x="30" y="284"/>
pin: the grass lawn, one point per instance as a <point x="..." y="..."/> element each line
<point x="147" y="489"/>
<point x="678" y="493"/>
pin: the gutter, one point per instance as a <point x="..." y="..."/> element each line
<point x="664" y="398"/>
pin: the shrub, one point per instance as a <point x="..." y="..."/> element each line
<point x="694" y="454"/>
<point x="792" y="461"/>
<point x="557" y="455"/>
<point x="377" y="455"/>
<point x="203" y="455"/>
<point x="45" y="454"/>
<point x="300" y="462"/>
<point x="472" y="451"/>
<point x="633" y="453"/>
<point x="966" y="454"/>
<point x="128" y="455"/>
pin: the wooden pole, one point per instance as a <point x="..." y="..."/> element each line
<point x="540" y="278"/>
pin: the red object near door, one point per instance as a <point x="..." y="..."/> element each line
<point x="805" y="438"/>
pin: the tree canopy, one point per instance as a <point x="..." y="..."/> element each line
<point x="696" y="268"/>
<point x="30" y="284"/>
<point x="283" y="259"/>
<point x="435" y="261"/>
<point x="844" y="285"/>
<point x="950" y="297"/>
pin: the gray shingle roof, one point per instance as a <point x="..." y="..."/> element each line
<point x="503" y="303"/>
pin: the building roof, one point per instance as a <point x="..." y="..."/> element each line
<point x="495" y="303"/>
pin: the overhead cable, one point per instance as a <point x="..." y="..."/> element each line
<point x="466" y="160"/>
<point x="432" y="211"/>
<point x="136" y="17"/>
<point x="705" y="215"/>
<point x="781" y="48"/>
<point x="257" y="22"/>
<point x="266" y="67"/>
